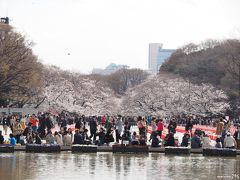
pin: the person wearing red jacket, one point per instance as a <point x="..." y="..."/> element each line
<point x="34" y="121"/>
<point x="160" y="126"/>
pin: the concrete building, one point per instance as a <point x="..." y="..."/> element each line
<point x="111" y="68"/>
<point x="157" y="56"/>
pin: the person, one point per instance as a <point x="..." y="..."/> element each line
<point x="169" y="140"/>
<point x="172" y="126"/>
<point x="176" y="142"/>
<point x="154" y="128"/>
<point x="206" y="141"/>
<point x="108" y="121"/>
<point x="109" y="136"/>
<point x="160" y="126"/>
<point x="218" y="143"/>
<point x="5" y="124"/>
<point x="12" y="121"/>
<point x="93" y="128"/>
<point x="77" y="123"/>
<point x="103" y="120"/>
<point x="220" y="127"/>
<point x="149" y="119"/>
<point x="67" y="139"/>
<point x="119" y="127"/>
<point x="126" y="132"/>
<point x="185" y="140"/>
<point x="230" y="142"/>
<point x="12" y="140"/>
<point x="49" y="122"/>
<point x="63" y="132"/>
<point x="237" y="136"/>
<point x="1" y="138"/>
<point x="24" y="141"/>
<point x="155" y="140"/>
<point x="101" y="136"/>
<point x="189" y="126"/>
<point x="58" y="138"/>
<point x="37" y="138"/>
<point x="228" y="125"/>
<point x="34" y="121"/>
<point x="142" y="140"/>
<point x="134" y="139"/>
<point x="49" y="138"/>
<point x="63" y="122"/>
<point x="86" y="138"/>
<point x="42" y="126"/>
<point x="141" y="126"/>
<point x="78" y="139"/>
<point x="17" y="130"/>
<point x="196" y="141"/>
<point x="28" y="132"/>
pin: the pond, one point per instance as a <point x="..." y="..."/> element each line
<point x="106" y="166"/>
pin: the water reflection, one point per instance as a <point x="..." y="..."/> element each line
<point x="115" y="166"/>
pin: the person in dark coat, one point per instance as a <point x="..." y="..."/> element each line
<point x="185" y="140"/>
<point x="86" y="138"/>
<point x="189" y="126"/>
<point x="28" y="132"/>
<point x="64" y="123"/>
<point x="172" y="126"/>
<point x="93" y="128"/>
<point x="78" y="123"/>
<point x="196" y="142"/>
<point x="101" y="135"/>
<point x="169" y="141"/>
<point x="78" y="139"/>
<point x="1" y="138"/>
<point x="126" y="132"/>
<point x="155" y="140"/>
<point x="109" y="136"/>
<point x="42" y="126"/>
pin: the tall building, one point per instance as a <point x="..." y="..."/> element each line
<point x="157" y="56"/>
<point x="154" y="49"/>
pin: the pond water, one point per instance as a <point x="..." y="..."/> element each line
<point x="106" y="166"/>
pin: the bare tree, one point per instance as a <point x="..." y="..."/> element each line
<point x="123" y="79"/>
<point x="20" y="71"/>
<point x="232" y="59"/>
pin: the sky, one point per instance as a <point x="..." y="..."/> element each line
<point x="80" y="35"/>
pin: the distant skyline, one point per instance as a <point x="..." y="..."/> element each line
<point x="81" y="35"/>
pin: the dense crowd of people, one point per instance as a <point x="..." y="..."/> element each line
<point x="68" y="129"/>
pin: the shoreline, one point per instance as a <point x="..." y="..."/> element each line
<point x="110" y="149"/>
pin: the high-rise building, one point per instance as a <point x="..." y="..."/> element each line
<point x="157" y="56"/>
<point x="154" y="49"/>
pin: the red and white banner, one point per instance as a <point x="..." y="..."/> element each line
<point x="210" y="131"/>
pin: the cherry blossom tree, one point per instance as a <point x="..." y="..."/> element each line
<point x="77" y="93"/>
<point x="172" y="96"/>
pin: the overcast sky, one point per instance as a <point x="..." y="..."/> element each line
<point x="85" y="34"/>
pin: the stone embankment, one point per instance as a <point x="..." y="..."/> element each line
<point x="118" y="149"/>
